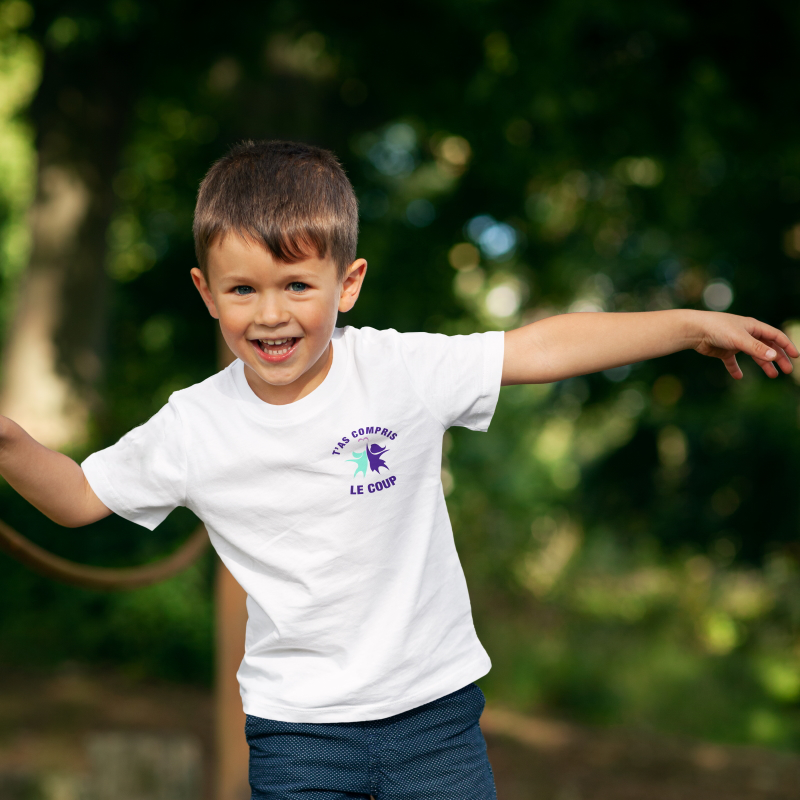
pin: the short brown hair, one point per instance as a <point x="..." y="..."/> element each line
<point x="293" y="198"/>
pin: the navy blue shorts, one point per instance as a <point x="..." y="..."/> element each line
<point x="434" y="752"/>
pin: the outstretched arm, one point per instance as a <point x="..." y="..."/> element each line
<point x="52" y="482"/>
<point x="567" y="345"/>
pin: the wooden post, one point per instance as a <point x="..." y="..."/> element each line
<point x="231" y="620"/>
<point x="232" y="751"/>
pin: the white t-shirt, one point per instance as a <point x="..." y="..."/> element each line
<point x="330" y="513"/>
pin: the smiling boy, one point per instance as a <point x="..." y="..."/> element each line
<point x="277" y="318"/>
<point x="314" y="461"/>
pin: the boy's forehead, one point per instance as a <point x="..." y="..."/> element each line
<point x="235" y="250"/>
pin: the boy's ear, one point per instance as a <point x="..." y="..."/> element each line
<point x="201" y="283"/>
<point x="351" y="285"/>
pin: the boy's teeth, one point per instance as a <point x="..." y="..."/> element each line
<point x="270" y="344"/>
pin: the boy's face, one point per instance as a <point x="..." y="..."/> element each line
<point x="277" y="318"/>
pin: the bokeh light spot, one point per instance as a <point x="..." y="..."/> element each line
<point x="469" y="282"/>
<point x="667" y="390"/>
<point x="672" y="446"/>
<point x="617" y="374"/>
<point x="497" y="240"/>
<point x="393" y="154"/>
<point x="639" y="171"/>
<point x="503" y="301"/>
<point x="464" y="256"/>
<point x="791" y="242"/>
<point x="718" y="295"/>
<point x="62" y="32"/>
<point x="455" y="150"/>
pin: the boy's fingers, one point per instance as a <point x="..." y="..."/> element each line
<point x="775" y="336"/>
<point x="782" y="340"/>
<point x="732" y="365"/>
<point x="769" y="369"/>
<point x="768" y="366"/>
<point x="758" y="350"/>
<point x="783" y="360"/>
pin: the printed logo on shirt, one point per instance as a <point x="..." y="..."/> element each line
<point x="371" y="455"/>
<point x="368" y="457"/>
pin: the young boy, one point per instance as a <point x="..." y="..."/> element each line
<point x="314" y="461"/>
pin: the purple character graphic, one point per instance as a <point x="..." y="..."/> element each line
<point x="374" y="454"/>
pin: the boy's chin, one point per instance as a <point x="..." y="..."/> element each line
<point x="277" y="375"/>
<point x="282" y="374"/>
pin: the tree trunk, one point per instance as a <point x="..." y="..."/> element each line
<point x="55" y="346"/>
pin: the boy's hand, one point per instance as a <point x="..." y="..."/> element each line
<point x="725" y="335"/>
<point x="567" y="345"/>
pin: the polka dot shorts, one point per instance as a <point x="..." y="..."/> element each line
<point x="434" y="752"/>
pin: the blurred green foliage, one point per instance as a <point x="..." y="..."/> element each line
<point x="630" y="538"/>
<point x="20" y="73"/>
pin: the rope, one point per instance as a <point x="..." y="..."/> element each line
<point x="88" y="577"/>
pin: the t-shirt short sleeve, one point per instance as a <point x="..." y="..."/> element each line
<point x="143" y="476"/>
<point x="457" y="377"/>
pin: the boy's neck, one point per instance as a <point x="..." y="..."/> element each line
<point x="296" y="390"/>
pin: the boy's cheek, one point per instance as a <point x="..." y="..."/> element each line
<point x="233" y="319"/>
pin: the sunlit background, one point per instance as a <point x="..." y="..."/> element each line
<point x="630" y="538"/>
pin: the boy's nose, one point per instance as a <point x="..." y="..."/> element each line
<point x="271" y="312"/>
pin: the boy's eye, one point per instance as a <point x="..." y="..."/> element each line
<point x="297" y="286"/>
<point x="243" y="290"/>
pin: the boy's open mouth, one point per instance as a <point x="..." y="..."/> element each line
<point x="275" y="349"/>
